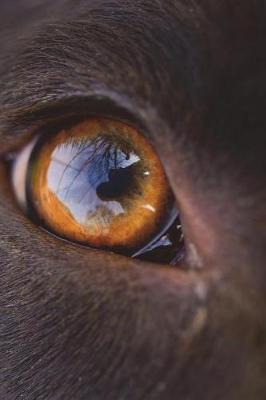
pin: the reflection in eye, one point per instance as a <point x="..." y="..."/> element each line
<point x="100" y="183"/>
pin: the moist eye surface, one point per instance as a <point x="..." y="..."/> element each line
<point x="101" y="184"/>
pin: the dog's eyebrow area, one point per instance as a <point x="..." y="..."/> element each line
<point x="108" y="52"/>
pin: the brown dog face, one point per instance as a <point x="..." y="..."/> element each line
<point x="77" y="323"/>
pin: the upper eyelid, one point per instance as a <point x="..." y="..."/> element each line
<point x="23" y="126"/>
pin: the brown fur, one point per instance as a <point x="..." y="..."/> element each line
<point x="83" y="324"/>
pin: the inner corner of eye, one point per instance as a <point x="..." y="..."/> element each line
<point x="19" y="172"/>
<point x="101" y="184"/>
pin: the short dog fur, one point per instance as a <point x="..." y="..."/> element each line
<point x="80" y="324"/>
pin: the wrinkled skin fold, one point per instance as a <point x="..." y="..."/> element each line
<point x="82" y="324"/>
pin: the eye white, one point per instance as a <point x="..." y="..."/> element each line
<point x="19" y="173"/>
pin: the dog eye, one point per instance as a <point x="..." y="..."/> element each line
<point x="100" y="183"/>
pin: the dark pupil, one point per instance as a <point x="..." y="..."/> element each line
<point x="121" y="181"/>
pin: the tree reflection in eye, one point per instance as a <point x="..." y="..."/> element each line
<point x="101" y="184"/>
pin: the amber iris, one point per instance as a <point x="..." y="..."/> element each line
<point x="100" y="183"/>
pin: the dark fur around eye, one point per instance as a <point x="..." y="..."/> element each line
<point x="77" y="325"/>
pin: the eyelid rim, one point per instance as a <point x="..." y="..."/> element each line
<point x="25" y="157"/>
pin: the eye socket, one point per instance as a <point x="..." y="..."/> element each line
<point x="100" y="183"/>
